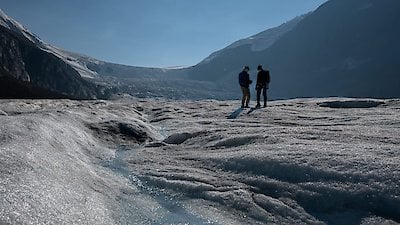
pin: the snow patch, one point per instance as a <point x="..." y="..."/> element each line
<point x="260" y="41"/>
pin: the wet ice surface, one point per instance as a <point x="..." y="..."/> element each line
<point x="304" y="161"/>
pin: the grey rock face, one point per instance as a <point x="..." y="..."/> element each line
<point x="24" y="61"/>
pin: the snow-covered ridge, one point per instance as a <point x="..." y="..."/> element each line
<point x="266" y="39"/>
<point x="262" y="40"/>
<point x="15" y="26"/>
<point x="71" y="59"/>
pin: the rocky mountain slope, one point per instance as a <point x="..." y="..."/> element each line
<point x="344" y="48"/>
<point x="30" y="68"/>
<point x="35" y="70"/>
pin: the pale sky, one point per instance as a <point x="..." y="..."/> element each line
<point x="151" y="33"/>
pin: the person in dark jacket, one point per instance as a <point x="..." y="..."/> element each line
<point x="263" y="79"/>
<point x="244" y="82"/>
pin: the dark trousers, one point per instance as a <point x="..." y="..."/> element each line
<point x="264" y="91"/>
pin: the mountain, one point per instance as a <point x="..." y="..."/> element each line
<point x="114" y="78"/>
<point x="223" y="66"/>
<point x="344" y="48"/>
<point x="258" y="42"/>
<point x="30" y="68"/>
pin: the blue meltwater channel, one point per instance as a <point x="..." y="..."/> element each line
<point x="176" y="213"/>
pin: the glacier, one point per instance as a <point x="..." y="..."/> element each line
<point x="157" y="161"/>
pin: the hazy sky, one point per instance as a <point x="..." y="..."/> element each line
<point x="154" y="33"/>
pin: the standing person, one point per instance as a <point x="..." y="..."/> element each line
<point x="263" y="79"/>
<point x="244" y="82"/>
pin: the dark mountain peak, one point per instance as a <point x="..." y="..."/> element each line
<point x="25" y="58"/>
<point x="260" y="41"/>
<point x="343" y="48"/>
<point x="14" y="26"/>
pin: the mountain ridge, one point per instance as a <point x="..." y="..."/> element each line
<point x="25" y="58"/>
<point x="337" y="50"/>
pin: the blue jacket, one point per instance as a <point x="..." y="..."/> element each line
<point x="244" y="79"/>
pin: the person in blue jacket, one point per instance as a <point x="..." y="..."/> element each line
<point x="244" y="82"/>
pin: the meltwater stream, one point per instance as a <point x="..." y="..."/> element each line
<point x="176" y="213"/>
